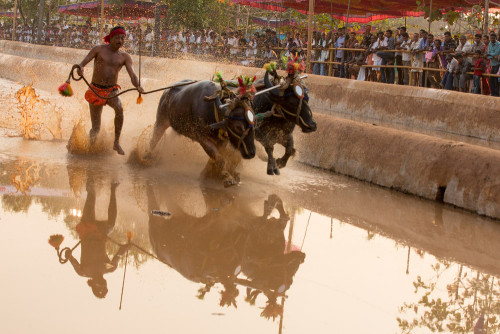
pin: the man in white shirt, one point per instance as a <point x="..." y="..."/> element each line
<point x="232" y="41"/>
<point x="405" y="56"/>
<point x="453" y="69"/>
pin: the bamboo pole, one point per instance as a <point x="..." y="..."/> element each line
<point x="14" y="21"/>
<point x="412" y="58"/>
<point x="309" y="36"/>
<point x="281" y="23"/>
<point x="101" y="25"/>
<point x="486" y="12"/>
<point x="348" y="14"/>
<point x="331" y="15"/>
<point x="430" y="17"/>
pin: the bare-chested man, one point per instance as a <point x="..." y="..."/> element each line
<point x="108" y="61"/>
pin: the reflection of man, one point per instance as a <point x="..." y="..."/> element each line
<point x="94" y="261"/>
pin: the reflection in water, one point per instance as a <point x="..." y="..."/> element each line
<point x="26" y="175"/>
<point x="471" y="302"/>
<point x="228" y="246"/>
<point x="235" y="249"/>
<point x="93" y="234"/>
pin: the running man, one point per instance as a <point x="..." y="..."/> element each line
<point x="108" y="61"/>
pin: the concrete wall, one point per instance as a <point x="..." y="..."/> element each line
<point x="467" y="176"/>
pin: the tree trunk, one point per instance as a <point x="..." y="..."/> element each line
<point x="22" y="13"/>
<point x="157" y="30"/>
<point x="49" y="8"/>
<point x="40" y="22"/>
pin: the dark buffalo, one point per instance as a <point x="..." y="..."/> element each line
<point x="291" y="108"/>
<point x="184" y="109"/>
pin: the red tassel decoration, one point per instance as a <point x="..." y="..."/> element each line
<point x="65" y="89"/>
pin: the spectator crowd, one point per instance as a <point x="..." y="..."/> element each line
<point x="420" y="59"/>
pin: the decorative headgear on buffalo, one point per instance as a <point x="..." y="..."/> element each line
<point x="115" y="31"/>
<point x="246" y="86"/>
<point x="293" y="65"/>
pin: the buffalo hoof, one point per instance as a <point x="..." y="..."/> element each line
<point x="270" y="172"/>
<point x="229" y="183"/>
<point x="281" y="163"/>
<point x="237" y="177"/>
<point x="276" y="171"/>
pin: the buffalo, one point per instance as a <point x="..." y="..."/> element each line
<point x="184" y="109"/>
<point x="290" y="107"/>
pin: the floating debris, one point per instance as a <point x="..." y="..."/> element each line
<point x="160" y="213"/>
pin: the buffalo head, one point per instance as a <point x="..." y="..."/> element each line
<point x="293" y="99"/>
<point x="239" y="123"/>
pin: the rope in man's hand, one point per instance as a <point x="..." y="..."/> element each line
<point x="66" y="90"/>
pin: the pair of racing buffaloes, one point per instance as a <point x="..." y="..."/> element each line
<point x="269" y="115"/>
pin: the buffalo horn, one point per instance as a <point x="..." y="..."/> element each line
<point x="267" y="114"/>
<point x="217" y="126"/>
<point x="219" y="105"/>
<point x="269" y="84"/>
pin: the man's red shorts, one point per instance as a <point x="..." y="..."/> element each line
<point x="92" y="98"/>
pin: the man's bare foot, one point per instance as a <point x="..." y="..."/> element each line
<point x="93" y="136"/>
<point x="118" y="148"/>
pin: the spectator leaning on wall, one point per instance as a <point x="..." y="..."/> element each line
<point x="493" y="55"/>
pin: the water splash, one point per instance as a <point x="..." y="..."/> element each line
<point x="37" y="115"/>
<point x="79" y="141"/>
<point x="28" y="103"/>
<point x="143" y="153"/>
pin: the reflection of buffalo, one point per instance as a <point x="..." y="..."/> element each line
<point x="203" y="250"/>
<point x="215" y="248"/>
<point x="265" y="261"/>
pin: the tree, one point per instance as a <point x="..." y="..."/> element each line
<point x="470" y="297"/>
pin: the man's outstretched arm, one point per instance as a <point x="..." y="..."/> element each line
<point x="74" y="262"/>
<point x="131" y="73"/>
<point x="91" y="55"/>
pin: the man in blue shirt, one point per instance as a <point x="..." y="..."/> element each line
<point x="339" y="43"/>
<point x="493" y="54"/>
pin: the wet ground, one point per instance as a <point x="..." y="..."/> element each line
<point x="305" y="252"/>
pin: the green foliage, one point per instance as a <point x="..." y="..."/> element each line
<point x="198" y="14"/>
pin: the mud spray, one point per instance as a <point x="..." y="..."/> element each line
<point x="38" y="118"/>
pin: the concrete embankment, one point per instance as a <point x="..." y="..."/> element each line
<point x="459" y="174"/>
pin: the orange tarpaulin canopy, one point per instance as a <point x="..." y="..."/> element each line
<point x="389" y="8"/>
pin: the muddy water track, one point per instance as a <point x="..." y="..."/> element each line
<point x="306" y="251"/>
